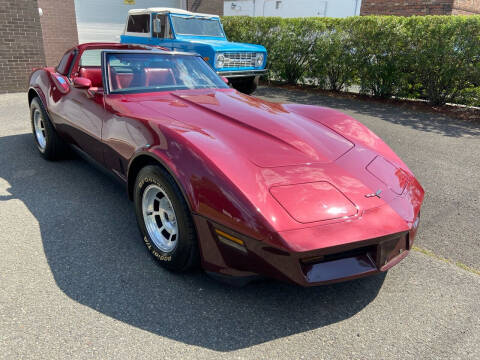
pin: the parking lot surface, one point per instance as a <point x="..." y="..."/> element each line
<point x="76" y="280"/>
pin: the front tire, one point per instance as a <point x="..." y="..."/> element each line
<point x="164" y="220"/>
<point x="245" y="85"/>
<point x="49" y="144"/>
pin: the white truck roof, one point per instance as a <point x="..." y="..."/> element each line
<point x="166" y="10"/>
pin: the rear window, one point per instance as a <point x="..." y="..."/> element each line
<point x="139" y="24"/>
<point x="91" y="58"/>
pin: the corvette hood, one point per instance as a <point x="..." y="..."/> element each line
<point x="268" y="135"/>
<point x="264" y="133"/>
<point x="294" y="164"/>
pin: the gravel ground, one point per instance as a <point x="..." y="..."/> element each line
<point x="76" y="280"/>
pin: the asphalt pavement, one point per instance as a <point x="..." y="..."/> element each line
<point x="77" y="282"/>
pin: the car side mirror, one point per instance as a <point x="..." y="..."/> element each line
<point x="82" y="83"/>
<point x="225" y="80"/>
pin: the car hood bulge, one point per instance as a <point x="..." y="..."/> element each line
<point x="267" y="134"/>
<point x="264" y="133"/>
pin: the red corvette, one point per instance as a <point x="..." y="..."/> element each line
<point x="243" y="186"/>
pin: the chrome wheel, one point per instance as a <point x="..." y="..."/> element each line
<point x="159" y="217"/>
<point x="39" y="128"/>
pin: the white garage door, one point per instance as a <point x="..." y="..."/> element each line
<point x="104" y="20"/>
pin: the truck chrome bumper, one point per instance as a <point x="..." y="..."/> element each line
<point x="242" y="73"/>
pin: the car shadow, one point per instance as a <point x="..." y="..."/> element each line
<point x="98" y="259"/>
<point x="396" y="114"/>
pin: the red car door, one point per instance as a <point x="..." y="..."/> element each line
<point x="84" y="115"/>
<point x="80" y="113"/>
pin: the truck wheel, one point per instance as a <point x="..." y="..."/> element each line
<point x="245" y="85"/>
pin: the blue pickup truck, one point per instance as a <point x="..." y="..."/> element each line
<point x="181" y="30"/>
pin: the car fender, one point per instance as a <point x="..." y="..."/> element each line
<point x="153" y="156"/>
<point x="207" y="191"/>
<point x="35" y="87"/>
<point x="206" y="51"/>
<point x="350" y="128"/>
<point x="36" y="92"/>
<point x="44" y="83"/>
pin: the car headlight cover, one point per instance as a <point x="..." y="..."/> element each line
<point x="317" y="201"/>
<point x="219" y="61"/>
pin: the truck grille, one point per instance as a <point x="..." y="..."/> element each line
<point x="239" y="59"/>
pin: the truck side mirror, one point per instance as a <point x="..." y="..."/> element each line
<point x="157" y="25"/>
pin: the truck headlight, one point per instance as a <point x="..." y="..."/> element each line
<point x="219" y="61"/>
<point x="259" y="60"/>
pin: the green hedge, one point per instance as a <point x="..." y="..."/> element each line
<point x="428" y="57"/>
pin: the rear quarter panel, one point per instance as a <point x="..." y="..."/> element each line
<point x="40" y="82"/>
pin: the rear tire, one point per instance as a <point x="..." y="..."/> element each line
<point x="164" y="220"/>
<point x="49" y="144"/>
<point x="245" y="85"/>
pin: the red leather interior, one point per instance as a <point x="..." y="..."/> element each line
<point x="120" y="80"/>
<point x="94" y="74"/>
<point x="154" y="77"/>
<point x="124" y="80"/>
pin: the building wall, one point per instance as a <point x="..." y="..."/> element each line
<point x="466" y="7"/>
<point x="21" y="47"/>
<point x="206" y="6"/>
<point x="292" y="8"/>
<point x="344" y="8"/>
<point x="59" y="27"/>
<point x="406" y="7"/>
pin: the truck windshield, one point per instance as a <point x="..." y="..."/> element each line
<point x="150" y="72"/>
<point x="198" y="26"/>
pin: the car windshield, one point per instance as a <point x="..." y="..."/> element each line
<point x="147" y="72"/>
<point x="198" y="26"/>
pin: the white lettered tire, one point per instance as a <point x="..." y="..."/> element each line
<point x="164" y="219"/>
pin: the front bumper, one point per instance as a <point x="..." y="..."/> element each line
<point x="241" y="73"/>
<point x="367" y="258"/>
<point x="316" y="267"/>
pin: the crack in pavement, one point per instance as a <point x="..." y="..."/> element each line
<point x="449" y="261"/>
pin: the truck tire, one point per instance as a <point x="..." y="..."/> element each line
<point x="245" y="85"/>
